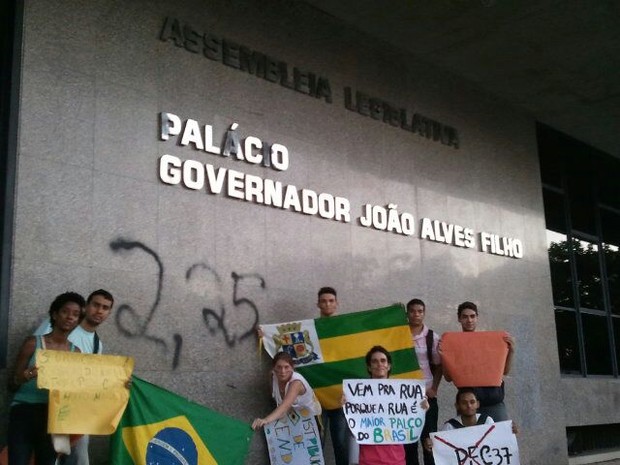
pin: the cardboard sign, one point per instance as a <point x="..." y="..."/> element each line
<point x="384" y="411"/>
<point x="474" y="445"/>
<point x="474" y="358"/>
<point x="294" y="440"/>
<point x="87" y="392"/>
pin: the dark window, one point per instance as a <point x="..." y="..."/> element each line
<point x="568" y="342"/>
<point x="595" y="335"/>
<point x="587" y="439"/>
<point x="581" y="197"/>
<point x="610" y="222"/>
<point x="561" y="276"/>
<point x="580" y="182"/>
<point x="554" y="211"/>
<point x="588" y="274"/>
<point x="617" y="336"/>
<point x="608" y="185"/>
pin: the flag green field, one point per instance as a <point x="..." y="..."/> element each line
<point x="159" y="426"/>
<point x="343" y="341"/>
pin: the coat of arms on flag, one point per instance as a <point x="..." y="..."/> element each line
<point x="298" y="339"/>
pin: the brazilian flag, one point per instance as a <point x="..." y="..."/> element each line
<point x="160" y="427"/>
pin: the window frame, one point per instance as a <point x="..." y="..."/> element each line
<point x="562" y="151"/>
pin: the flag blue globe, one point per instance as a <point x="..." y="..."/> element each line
<point x="171" y="446"/>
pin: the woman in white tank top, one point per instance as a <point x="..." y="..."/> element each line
<point x="290" y="390"/>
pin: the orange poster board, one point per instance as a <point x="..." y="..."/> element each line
<point x="474" y="358"/>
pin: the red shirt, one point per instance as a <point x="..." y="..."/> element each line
<point x="392" y="454"/>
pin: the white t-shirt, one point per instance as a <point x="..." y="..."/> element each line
<point x="447" y="426"/>
<point x="421" y="352"/>
<point x="306" y="400"/>
<point x="85" y="340"/>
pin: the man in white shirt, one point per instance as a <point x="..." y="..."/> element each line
<point x="425" y="342"/>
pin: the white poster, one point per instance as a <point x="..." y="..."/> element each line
<point x="294" y="440"/>
<point x="384" y="411"/>
<point x="477" y="445"/>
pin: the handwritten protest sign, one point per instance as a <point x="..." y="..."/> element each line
<point x="384" y="411"/>
<point x="87" y="392"/>
<point x="294" y="440"/>
<point x="475" y="445"/>
<point x="474" y="358"/>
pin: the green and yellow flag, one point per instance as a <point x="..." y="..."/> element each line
<point x="328" y="350"/>
<point x="160" y="427"/>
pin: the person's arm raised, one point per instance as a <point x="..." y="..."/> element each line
<point x="443" y="370"/>
<point x="510" y="341"/>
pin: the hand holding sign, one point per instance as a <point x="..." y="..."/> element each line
<point x="487" y="444"/>
<point x="385" y="411"/>
<point x="294" y="439"/>
<point x="88" y="392"/>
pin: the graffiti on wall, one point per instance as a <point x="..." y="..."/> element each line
<point x="134" y="326"/>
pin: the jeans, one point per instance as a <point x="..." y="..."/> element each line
<point x="430" y="426"/>
<point x="79" y="453"/>
<point x="28" y="434"/>
<point x="339" y="431"/>
<point x="81" y="450"/>
<point x="496" y="411"/>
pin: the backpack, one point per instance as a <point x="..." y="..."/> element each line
<point x="429" y="349"/>
<point x="96" y="343"/>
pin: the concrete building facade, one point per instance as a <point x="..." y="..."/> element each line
<point x="213" y="164"/>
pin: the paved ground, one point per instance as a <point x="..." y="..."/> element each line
<point x="609" y="462"/>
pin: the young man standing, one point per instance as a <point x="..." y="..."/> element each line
<point x="334" y="419"/>
<point x="98" y="308"/>
<point x="491" y="398"/>
<point x="425" y="341"/>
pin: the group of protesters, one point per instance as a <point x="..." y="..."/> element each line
<point x="70" y="326"/>
<point x="474" y="405"/>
